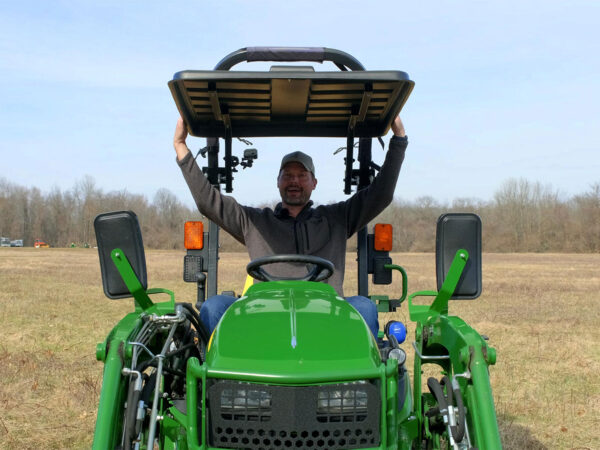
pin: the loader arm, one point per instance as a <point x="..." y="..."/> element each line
<point x="462" y="354"/>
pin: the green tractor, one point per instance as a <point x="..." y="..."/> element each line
<point x="291" y="364"/>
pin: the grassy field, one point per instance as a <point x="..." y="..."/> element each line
<point x="540" y="311"/>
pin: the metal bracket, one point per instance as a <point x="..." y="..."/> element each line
<point x="366" y="100"/>
<point x="228" y="161"/>
<point x="429" y="357"/>
<point x="214" y="102"/>
<point x="349" y="162"/>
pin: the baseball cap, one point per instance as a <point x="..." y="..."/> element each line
<point x="301" y="158"/>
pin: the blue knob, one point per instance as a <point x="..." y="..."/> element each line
<point x="398" y="330"/>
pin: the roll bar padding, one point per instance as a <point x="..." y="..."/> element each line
<point x="289" y="54"/>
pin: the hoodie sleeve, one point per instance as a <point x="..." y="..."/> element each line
<point x="224" y="210"/>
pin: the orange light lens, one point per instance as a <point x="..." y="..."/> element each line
<point x="384" y="235"/>
<point x="194" y="235"/>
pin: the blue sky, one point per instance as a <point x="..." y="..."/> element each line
<point x="503" y="89"/>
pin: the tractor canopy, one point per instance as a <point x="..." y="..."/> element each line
<point x="279" y="329"/>
<point x="290" y="100"/>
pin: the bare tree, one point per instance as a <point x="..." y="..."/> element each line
<point x="587" y="219"/>
<point x="523" y="216"/>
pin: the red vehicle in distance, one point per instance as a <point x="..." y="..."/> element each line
<point x="40" y="244"/>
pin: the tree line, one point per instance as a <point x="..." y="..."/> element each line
<point x="521" y="217"/>
<point x="65" y="218"/>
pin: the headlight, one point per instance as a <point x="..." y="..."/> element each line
<point x="350" y="398"/>
<point x="399" y="354"/>
<point x="244" y="399"/>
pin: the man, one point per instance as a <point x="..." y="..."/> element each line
<point x="294" y="226"/>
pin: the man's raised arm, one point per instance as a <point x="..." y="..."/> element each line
<point x="221" y="209"/>
<point x="398" y="127"/>
<point x="179" y="140"/>
<point x="367" y="203"/>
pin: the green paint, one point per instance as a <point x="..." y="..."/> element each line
<point x="438" y="334"/>
<point x="131" y="280"/>
<point x="284" y="326"/>
<point x="301" y="333"/>
<point x="404" y="279"/>
<point x="383" y="301"/>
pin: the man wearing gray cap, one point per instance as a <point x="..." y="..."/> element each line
<point x="294" y="226"/>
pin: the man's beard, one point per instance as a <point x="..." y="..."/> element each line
<point x="299" y="199"/>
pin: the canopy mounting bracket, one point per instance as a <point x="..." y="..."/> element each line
<point x="214" y="102"/>
<point x="365" y="102"/>
<point x="349" y="159"/>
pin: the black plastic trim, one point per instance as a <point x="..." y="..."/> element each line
<point x="289" y="54"/>
<point x="460" y="231"/>
<point x="119" y="229"/>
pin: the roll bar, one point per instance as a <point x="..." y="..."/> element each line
<point x="208" y="100"/>
<point x="342" y="60"/>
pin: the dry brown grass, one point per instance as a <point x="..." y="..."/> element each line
<point x="539" y="310"/>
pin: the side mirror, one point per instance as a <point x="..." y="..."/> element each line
<point x="459" y="231"/>
<point x="119" y="229"/>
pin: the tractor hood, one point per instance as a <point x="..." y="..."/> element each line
<point x="292" y="332"/>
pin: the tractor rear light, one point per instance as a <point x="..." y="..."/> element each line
<point x="194" y="235"/>
<point x="384" y="235"/>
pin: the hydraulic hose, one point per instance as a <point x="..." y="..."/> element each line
<point x="195" y="319"/>
<point x="159" y="370"/>
<point x="165" y="368"/>
<point x="458" y="432"/>
<point x="180" y="350"/>
<point x="142" y="338"/>
<point x="446" y="382"/>
<point x="147" y="390"/>
<point x="442" y="408"/>
<point x="451" y="411"/>
<point x="133" y="396"/>
<point x="203" y="336"/>
<point x="134" y="390"/>
<point x="436" y="389"/>
<point x="445" y="401"/>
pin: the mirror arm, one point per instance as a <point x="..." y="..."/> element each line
<point x="440" y="304"/>
<point x="130" y="279"/>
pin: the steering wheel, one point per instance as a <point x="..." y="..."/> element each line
<point x="322" y="269"/>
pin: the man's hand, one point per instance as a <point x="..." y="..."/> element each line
<point x="398" y="127"/>
<point x="179" y="139"/>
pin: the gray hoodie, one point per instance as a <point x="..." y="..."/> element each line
<point x="322" y="231"/>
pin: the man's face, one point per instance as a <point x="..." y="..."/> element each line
<point x="295" y="184"/>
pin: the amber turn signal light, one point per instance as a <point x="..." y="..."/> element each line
<point x="194" y="235"/>
<point x="384" y="235"/>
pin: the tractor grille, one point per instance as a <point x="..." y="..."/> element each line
<point x="256" y="416"/>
